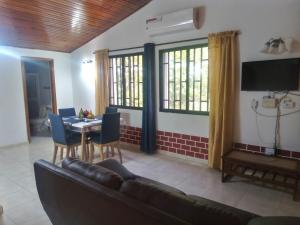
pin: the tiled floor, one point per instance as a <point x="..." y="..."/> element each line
<point x="19" y="197"/>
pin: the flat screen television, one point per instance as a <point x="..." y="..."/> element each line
<point x="271" y="75"/>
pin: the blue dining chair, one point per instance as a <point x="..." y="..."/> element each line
<point x="111" y="109"/>
<point x="65" y="139"/>
<point x="109" y="136"/>
<point x="67" y="112"/>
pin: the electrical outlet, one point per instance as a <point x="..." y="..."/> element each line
<point x="269" y="151"/>
<point x="288" y="103"/>
<point x="269" y="102"/>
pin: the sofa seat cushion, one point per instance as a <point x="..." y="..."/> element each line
<point x="96" y="173"/>
<point x="188" y="208"/>
<point x="117" y="167"/>
<point x="275" y="220"/>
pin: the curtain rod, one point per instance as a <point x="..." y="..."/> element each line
<point x="165" y="43"/>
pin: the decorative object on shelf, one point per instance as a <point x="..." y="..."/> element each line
<point x="277" y="46"/>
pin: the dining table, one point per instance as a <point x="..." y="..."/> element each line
<point x="83" y="126"/>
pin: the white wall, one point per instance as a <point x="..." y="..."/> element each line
<point x="12" y="110"/>
<point x="258" y="20"/>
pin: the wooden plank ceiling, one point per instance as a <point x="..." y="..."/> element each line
<point x="60" y="25"/>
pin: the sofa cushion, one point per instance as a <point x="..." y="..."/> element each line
<point x="275" y="220"/>
<point x="209" y="210"/>
<point x="159" y="185"/>
<point x="118" y="168"/>
<point x="96" y="173"/>
<point x="158" y="196"/>
<point x="191" y="209"/>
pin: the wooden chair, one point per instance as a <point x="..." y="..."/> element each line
<point x="63" y="139"/>
<point x="109" y="136"/>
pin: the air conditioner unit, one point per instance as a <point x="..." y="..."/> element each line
<point x="182" y="20"/>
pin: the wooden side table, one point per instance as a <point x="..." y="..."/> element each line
<point x="276" y="171"/>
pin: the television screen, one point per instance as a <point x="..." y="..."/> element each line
<point x="271" y="75"/>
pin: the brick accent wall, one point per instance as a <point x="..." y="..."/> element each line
<point x="131" y="135"/>
<point x="261" y="150"/>
<point x="192" y="146"/>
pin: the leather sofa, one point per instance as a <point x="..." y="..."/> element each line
<point x="107" y="193"/>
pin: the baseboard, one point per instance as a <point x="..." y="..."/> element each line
<point x="13" y="145"/>
<point x="184" y="157"/>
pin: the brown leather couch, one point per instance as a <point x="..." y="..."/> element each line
<point x="108" y="194"/>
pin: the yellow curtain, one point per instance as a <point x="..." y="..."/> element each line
<point x="223" y="67"/>
<point x="101" y="85"/>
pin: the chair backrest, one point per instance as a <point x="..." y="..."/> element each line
<point x="67" y="112"/>
<point x="57" y="128"/>
<point x="110" y="128"/>
<point x="111" y="110"/>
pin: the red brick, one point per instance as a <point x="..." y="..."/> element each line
<point x="172" y="150"/>
<point x="204" y="139"/>
<point x="192" y="154"/>
<point x="206" y="157"/>
<point x="185" y="147"/>
<point x="191" y="143"/>
<point x="179" y="151"/>
<point x="176" y="135"/>
<point x="285" y="153"/>
<point x="135" y="142"/>
<point x="240" y="146"/>
<point x="164" y="138"/>
<point x="195" y="149"/>
<point x="168" y="134"/>
<point x="195" y="138"/>
<point x="160" y="142"/>
<point x="164" y="148"/>
<point x="204" y="151"/>
<point x="171" y="139"/>
<point x="175" y="145"/>
<point x="181" y="141"/>
<point x="253" y="148"/>
<point x="296" y="155"/>
<point x="200" y="144"/>
<point x="160" y="132"/>
<point x="199" y="155"/>
<point x="187" y="137"/>
<point x="168" y="144"/>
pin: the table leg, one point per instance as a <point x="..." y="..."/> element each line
<point x="1" y="210"/>
<point x="83" y="146"/>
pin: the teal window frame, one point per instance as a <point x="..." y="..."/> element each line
<point x="121" y="97"/>
<point x="184" y="80"/>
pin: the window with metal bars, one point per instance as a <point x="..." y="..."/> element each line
<point x="184" y="80"/>
<point x="126" y="81"/>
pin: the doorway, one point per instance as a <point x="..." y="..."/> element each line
<point x="39" y="94"/>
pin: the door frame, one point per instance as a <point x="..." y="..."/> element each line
<point x="25" y="59"/>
